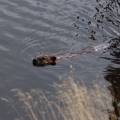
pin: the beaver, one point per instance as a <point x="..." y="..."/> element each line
<point x="44" y="60"/>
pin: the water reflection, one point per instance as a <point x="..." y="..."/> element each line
<point x="105" y="23"/>
<point x="71" y="101"/>
<point x="108" y="10"/>
<point x="49" y="24"/>
<point x="113" y="77"/>
<point x="107" y="18"/>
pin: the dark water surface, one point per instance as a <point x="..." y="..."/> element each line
<point x="32" y="27"/>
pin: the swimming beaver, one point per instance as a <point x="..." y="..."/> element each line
<point x="44" y="60"/>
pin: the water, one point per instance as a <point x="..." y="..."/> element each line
<point x="33" y="27"/>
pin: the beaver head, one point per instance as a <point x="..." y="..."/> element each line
<point x="38" y="61"/>
<point x="44" y="60"/>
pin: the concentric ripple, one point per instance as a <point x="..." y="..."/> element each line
<point x="32" y="27"/>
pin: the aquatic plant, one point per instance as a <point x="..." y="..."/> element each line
<point x="71" y="101"/>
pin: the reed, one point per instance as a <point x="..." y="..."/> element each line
<point x="72" y="101"/>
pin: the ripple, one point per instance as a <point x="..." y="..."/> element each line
<point x="32" y="27"/>
<point x="3" y="48"/>
<point x="46" y="19"/>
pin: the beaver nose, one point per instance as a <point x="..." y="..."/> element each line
<point x="35" y="62"/>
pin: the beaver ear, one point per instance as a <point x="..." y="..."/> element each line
<point x="53" y="58"/>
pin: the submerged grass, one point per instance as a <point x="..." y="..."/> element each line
<point x="83" y="104"/>
<point x="72" y="101"/>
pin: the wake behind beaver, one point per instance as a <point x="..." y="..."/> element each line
<point x="45" y="60"/>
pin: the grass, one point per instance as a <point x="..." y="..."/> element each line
<point x="72" y="101"/>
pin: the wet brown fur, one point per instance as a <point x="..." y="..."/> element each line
<point x="44" y="60"/>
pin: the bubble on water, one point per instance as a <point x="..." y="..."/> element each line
<point x="101" y="47"/>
